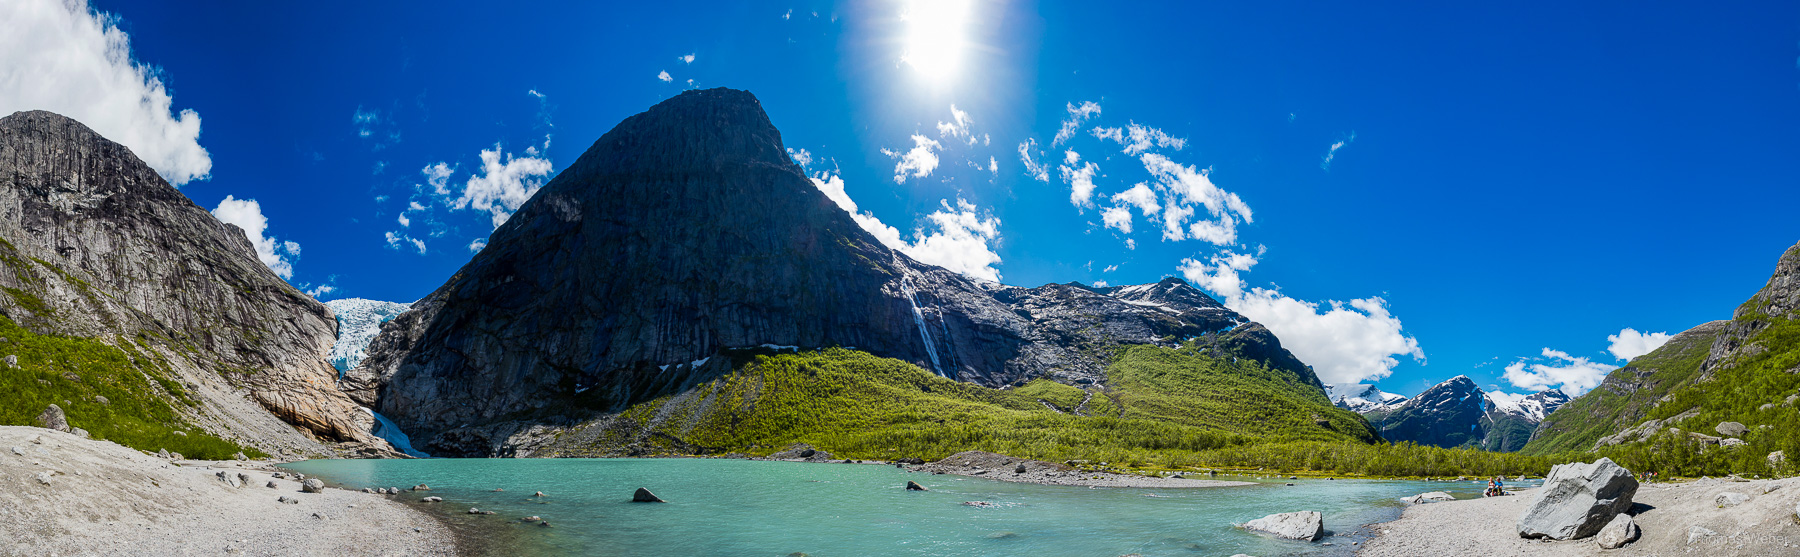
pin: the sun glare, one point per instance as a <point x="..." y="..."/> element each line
<point x="934" y="36"/>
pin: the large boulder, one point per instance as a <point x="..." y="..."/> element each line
<point x="53" y="418"/>
<point x="1432" y="497"/>
<point x="1577" y="500"/>
<point x="312" y="485"/>
<point x="645" y="496"/>
<point x="1622" y="530"/>
<point x="1731" y="429"/>
<point x="1303" y="525"/>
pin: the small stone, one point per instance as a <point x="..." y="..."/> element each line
<point x="977" y="504"/>
<point x="179" y="432"/>
<point x="914" y="486"/>
<point x="12" y="361"/>
<point x="431" y="500"/>
<point x="19" y="451"/>
<point x="176" y="456"/>
<point x="272" y="485"/>
<point x="1730" y="499"/>
<point x="1622" y="530"/>
<point x="644" y="496"/>
<point x="1731" y="429"/>
<point x="531" y="519"/>
<point x="539" y="494"/>
<point x="243" y="479"/>
<point x="312" y="486"/>
<point x="239" y="456"/>
<point x="44" y="477"/>
<point x="229" y="479"/>
<point x="1020" y="469"/>
<point x="421" y="487"/>
<point x="101" y="399"/>
<point x="288" y="500"/>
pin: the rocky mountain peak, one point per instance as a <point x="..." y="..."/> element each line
<point x="1778" y="299"/>
<point x="686" y="233"/>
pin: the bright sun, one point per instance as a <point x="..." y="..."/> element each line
<point x="934" y="36"/>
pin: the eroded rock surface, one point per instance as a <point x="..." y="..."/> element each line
<point x="1577" y="500"/>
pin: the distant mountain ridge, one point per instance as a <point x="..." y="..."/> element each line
<point x="1458" y="413"/>
<point x="685" y="237"/>
<point x="1361" y="398"/>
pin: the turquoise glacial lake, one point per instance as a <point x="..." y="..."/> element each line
<point x="754" y="508"/>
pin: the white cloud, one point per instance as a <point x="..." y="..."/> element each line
<point x="1077" y="115"/>
<point x="247" y="215"/>
<point x="1629" y="343"/>
<point x="1574" y="375"/>
<point x="396" y="239"/>
<point x="365" y="120"/>
<point x="404" y="222"/>
<point x="1184" y="187"/>
<point x="1034" y="168"/>
<point x="503" y="183"/>
<point x="321" y="290"/>
<point x="960" y="240"/>
<point x="688" y="59"/>
<point x="1116" y="217"/>
<point x="664" y="75"/>
<point x="800" y="156"/>
<point x="958" y="126"/>
<point x="64" y="57"/>
<point x="1080" y="179"/>
<point x="1110" y="268"/>
<point x="1119" y="215"/>
<point x="993" y="166"/>
<point x="1332" y="153"/>
<point x="477" y="245"/>
<point x="1138" y="139"/>
<point x="438" y="175"/>
<point x="1347" y="343"/>
<point x="1101" y="284"/>
<point x="789" y="14"/>
<point x="919" y="161"/>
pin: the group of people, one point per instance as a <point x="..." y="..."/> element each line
<point x="1496" y="487"/>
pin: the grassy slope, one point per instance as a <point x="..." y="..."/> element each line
<point x="1168" y="408"/>
<point x="1605" y="410"/>
<point x="73" y="372"/>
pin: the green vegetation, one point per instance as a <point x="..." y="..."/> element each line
<point x="27" y="300"/>
<point x="77" y="373"/>
<point x="1164" y="408"/>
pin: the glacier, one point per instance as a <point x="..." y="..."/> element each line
<point x="359" y="320"/>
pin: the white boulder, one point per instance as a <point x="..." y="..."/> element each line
<point x="1577" y="500"/>
<point x="1303" y="525"/>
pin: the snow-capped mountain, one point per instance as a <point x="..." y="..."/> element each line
<point x="358" y="322"/>
<point x="1534" y="407"/>
<point x="1360" y="398"/>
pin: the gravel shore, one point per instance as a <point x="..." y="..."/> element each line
<point x="979" y="464"/>
<point x="1675" y="519"/>
<point x="65" y="495"/>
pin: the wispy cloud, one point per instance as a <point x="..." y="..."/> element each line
<point x="686" y="58"/>
<point x="1034" y="160"/>
<point x="917" y="162"/>
<point x="1331" y="153"/>
<point x="1574" y="375"/>
<point x="664" y="76"/>
<point x="1629" y="343"/>
<point x="957" y="237"/>
<point x="1077" y="114"/>
<point x="1080" y="177"/>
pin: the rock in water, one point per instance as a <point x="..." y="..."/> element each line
<point x="645" y="496"/>
<point x="121" y="252"/>
<point x="53" y="418"/>
<point x="1622" y="530"/>
<point x="312" y="485"/>
<point x="687" y="230"/>
<point x="1577" y="500"/>
<point x="914" y="486"/>
<point x="1303" y="525"/>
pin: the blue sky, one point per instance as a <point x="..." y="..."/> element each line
<point x="1510" y="184"/>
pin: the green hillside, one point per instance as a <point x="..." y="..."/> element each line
<point x="119" y="393"/>
<point x="1628" y="394"/>
<point x="1160" y="403"/>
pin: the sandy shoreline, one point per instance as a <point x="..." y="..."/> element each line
<point x="65" y="495"/>
<point x="992" y="466"/>
<point x="1669" y="515"/>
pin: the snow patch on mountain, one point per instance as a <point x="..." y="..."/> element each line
<point x="1360" y="398"/>
<point x="359" y="320"/>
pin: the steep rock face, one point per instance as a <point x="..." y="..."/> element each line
<point x="1778" y="299"/>
<point x="99" y="246"/>
<point x="358" y="320"/>
<point x="686" y="233"/>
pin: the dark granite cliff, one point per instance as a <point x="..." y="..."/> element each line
<point x="686" y="233"/>
<point x="98" y="246"/>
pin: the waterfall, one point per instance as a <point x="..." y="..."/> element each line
<point x="919" y="319"/>
<point x="386" y="429"/>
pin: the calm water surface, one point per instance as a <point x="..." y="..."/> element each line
<point x="738" y="507"/>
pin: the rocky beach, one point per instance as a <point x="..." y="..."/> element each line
<point x="61" y="494"/>
<point x="1716" y="517"/>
